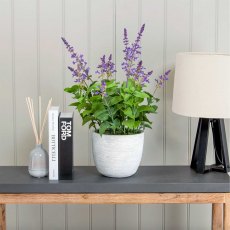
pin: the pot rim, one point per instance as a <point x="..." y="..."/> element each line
<point x="135" y="134"/>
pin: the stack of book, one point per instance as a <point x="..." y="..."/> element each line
<point x="60" y="144"/>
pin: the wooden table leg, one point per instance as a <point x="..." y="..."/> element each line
<point x="2" y="217"/>
<point x="227" y="216"/>
<point x="217" y="216"/>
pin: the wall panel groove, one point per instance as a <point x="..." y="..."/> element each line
<point x="115" y="75"/>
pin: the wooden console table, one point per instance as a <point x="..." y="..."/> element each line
<point x="150" y="185"/>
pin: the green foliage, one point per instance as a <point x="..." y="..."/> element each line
<point x="121" y="109"/>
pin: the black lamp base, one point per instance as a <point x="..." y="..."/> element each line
<point x="220" y="146"/>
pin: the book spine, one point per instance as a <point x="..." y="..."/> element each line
<point x="65" y="147"/>
<point x="53" y="144"/>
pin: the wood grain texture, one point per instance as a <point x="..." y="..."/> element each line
<point x="227" y="216"/>
<point x="108" y="198"/>
<point x="227" y="196"/>
<point x="2" y="217"/>
<point x="217" y="216"/>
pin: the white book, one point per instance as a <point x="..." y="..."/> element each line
<point x="53" y="142"/>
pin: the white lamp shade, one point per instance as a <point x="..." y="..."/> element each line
<point x="202" y="85"/>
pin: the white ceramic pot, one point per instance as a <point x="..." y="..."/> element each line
<point x="117" y="155"/>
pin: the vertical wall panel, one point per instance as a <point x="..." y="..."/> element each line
<point x="6" y="102"/>
<point x="222" y="23"/>
<point x="151" y="217"/>
<point x="127" y="217"/>
<point x="75" y="31"/>
<point x="101" y="43"/>
<point x="25" y="74"/>
<point x="152" y="46"/>
<point x="126" y="17"/>
<point x="25" y="85"/>
<point x="51" y="83"/>
<point x="223" y="38"/>
<point x="53" y="217"/>
<point x="152" y="56"/>
<point x="177" y="37"/>
<point x="6" y="86"/>
<point x="78" y="217"/>
<point x="200" y="216"/>
<point x="203" y="40"/>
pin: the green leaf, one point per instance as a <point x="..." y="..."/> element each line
<point x="111" y="91"/>
<point x="74" y="104"/>
<point x="81" y="106"/>
<point x="129" y="123"/>
<point x="105" y="125"/>
<point x="156" y="99"/>
<point x="110" y="84"/>
<point x="128" y="112"/>
<point x="97" y="106"/>
<point x="147" y="125"/>
<point x="131" y="83"/>
<point x="72" y="89"/>
<point x="145" y="119"/>
<point x="136" y="124"/>
<point x="116" y="123"/>
<point x="95" y="98"/>
<point x="86" y="112"/>
<point x="97" y="113"/>
<point x="129" y="102"/>
<point x="126" y="96"/>
<point x="115" y="100"/>
<point x="103" y="116"/>
<point x="86" y="119"/>
<point x="141" y="94"/>
<point x="147" y="108"/>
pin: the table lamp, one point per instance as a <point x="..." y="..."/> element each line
<point x="202" y="89"/>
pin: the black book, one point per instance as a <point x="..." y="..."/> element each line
<point x="65" y="155"/>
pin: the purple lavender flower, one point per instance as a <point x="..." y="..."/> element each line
<point x="125" y="40"/>
<point x="106" y="67"/>
<point x="162" y="79"/>
<point x="140" y="34"/>
<point x="80" y="71"/>
<point x="132" y="54"/>
<point x="101" y="89"/>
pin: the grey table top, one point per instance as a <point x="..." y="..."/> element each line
<point x="148" y="179"/>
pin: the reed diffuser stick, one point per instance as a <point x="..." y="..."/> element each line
<point x="39" y="113"/>
<point x="38" y="133"/>
<point x="44" y="120"/>
<point x="31" y="117"/>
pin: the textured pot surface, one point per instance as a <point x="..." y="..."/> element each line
<point x="117" y="155"/>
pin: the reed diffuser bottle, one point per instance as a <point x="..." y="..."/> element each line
<point x="38" y="158"/>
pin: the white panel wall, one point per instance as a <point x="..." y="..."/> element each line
<point x="33" y="62"/>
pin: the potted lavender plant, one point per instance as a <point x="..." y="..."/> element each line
<point x="116" y="110"/>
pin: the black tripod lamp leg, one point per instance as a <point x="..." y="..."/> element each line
<point x="200" y="146"/>
<point x="220" y="145"/>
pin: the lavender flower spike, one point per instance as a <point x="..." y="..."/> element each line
<point x="162" y="79"/>
<point x="132" y="65"/>
<point x="80" y="71"/>
<point x="140" y="33"/>
<point x="106" y="68"/>
<point x="125" y="40"/>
